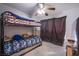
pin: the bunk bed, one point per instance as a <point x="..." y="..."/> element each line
<point x="19" y="44"/>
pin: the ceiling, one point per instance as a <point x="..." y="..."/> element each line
<point x="30" y="8"/>
<point x="24" y="7"/>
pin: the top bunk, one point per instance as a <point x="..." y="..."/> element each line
<point x="12" y="19"/>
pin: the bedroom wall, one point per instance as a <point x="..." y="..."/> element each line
<point x="12" y="30"/>
<point x="72" y="15"/>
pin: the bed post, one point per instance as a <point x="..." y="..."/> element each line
<point x="1" y="36"/>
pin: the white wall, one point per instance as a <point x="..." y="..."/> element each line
<point x="72" y="15"/>
<point x="12" y="30"/>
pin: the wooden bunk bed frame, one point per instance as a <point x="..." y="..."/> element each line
<point x="10" y="19"/>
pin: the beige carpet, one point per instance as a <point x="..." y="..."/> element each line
<point x="47" y="49"/>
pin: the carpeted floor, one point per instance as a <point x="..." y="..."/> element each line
<point x="47" y="49"/>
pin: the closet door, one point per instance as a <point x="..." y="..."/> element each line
<point x="44" y="30"/>
<point x="59" y="24"/>
<point x="51" y="30"/>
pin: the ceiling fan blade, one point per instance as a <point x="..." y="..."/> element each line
<point x="51" y="8"/>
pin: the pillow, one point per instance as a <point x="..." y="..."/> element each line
<point x="38" y="39"/>
<point x="23" y="44"/>
<point x="29" y="42"/>
<point x="25" y="35"/>
<point x="16" y="46"/>
<point x="17" y="37"/>
<point x="33" y="41"/>
<point x="6" y="38"/>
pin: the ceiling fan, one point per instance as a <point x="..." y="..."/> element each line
<point x="42" y="7"/>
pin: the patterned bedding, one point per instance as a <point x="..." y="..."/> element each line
<point x="8" y="48"/>
<point x="15" y="45"/>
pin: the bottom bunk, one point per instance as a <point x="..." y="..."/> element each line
<point x="20" y="45"/>
<point x="24" y="51"/>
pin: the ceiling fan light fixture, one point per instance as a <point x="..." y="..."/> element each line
<point x="41" y="12"/>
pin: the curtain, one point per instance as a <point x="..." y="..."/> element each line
<point x="53" y="30"/>
<point x="50" y="28"/>
<point x="77" y="33"/>
<point x="59" y="30"/>
<point x="44" y="30"/>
